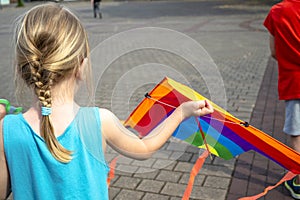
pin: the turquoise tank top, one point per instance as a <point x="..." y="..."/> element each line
<point x="36" y="174"/>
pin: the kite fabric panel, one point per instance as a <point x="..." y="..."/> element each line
<point x="225" y="135"/>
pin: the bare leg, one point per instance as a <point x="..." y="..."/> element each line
<point x="295" y="144"/>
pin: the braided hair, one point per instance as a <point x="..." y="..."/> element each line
<point x="51" y="43"/>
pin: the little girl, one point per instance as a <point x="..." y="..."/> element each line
<point x="55" y="150"/>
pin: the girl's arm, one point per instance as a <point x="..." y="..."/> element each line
<point x="272" y="46"/>
<point x="4" y="175"/>
<point x="128" y="144"/>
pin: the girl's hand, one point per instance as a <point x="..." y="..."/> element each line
<point x="196" y="108"/>
<point x="6" y="108"/>
<point x="2" y="111"/>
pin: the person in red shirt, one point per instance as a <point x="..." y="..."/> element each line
<point x="283" y="24"/>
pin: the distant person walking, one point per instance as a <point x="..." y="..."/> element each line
<point x="283" y="23"/>
<point x="96" y="8"/>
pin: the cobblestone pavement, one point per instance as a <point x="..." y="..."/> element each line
<point x="219" y="48"/>
<point x="252" y="171"/>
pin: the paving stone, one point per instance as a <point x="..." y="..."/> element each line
<point x="228" y="163"/>
<point x="216" y="171"/>
<point x="124" y="160"/>
<point x="175" y="198"/>
<point x="194" y="158"/>
<point x="192" y="149"/>
<point x="169" y="176"/>
<point x="116" y="177"/>
<point x="144" y="163"/>
<point x="208" y="193"/>
<point x="127" y="170"/>
<point x="183" y="167"/>
<point x="217" y="182"/>
<point x="150" y="186"/>
<point x="199" y="179"/>
<point x="164" y="164"/>
<point x="173" y="189"/>
<point x="185" y="157"/>
<point x="151" y="196"/>
<point x="127" y="182"/>
<point x="177" y="155"/>
<point x="125" y="194"/>
<point x="177" y="146"/>
<point x="242" y="171"/>
<point x="110" y="156"/>
<point x="164" y="154"/>
<point x="233" y="196"/>
<point x="113" y="192"/>
<point x="148" y="173"/>
<point x="238" y="187"/>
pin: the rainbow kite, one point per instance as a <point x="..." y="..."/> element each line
<point x="220" y="133"/>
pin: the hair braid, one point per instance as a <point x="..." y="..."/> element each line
<point x="43" y="81"/>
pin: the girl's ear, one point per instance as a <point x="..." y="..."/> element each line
<point x="80" y="75"/>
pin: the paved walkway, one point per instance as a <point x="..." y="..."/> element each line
<point x="219" y="48"/>
<point x="253" y="172"/>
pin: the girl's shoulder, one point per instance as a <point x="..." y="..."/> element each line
<point x="104" y="111"/>
<point x="106" y="114"/>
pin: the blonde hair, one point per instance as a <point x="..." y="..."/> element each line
<point x="51" y="44"/>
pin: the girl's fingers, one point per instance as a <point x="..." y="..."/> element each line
<point x="209" y="106"/>
<point x="196" y="108"/>
<point x="201" y="104"/>
<point x="206" y="108"/>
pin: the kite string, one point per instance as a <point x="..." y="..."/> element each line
<point x="203" y="136"/>
<point x="217" y="119"/>
<point x="161" y="102"/>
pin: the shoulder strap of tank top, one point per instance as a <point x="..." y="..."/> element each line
<point x="89" y="127"/>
